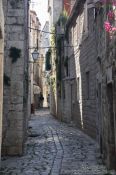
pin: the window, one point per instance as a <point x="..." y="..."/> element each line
<point x="87" y="84"/>
<point x="78" y="89"/>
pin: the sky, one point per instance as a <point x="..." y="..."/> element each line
<point x="40" y="6"/>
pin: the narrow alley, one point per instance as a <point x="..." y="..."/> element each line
<point x="55" y="148"/>
<point x="57" y="87"/>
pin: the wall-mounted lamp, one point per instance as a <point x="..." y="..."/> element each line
<point x="35" y="55"/>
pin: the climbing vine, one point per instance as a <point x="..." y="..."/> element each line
<point x="59" y="53"/>
<point x="60" y="39"/>
<point x="53" y="37"/>
<point x="48" y="60"/>
<point x="57" y="40"/>
<point x="53" y="84"/>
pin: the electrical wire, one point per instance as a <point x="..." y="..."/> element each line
<point x="43" y="31"/>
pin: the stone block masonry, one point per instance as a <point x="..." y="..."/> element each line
<point x="79" y="104"/>
<point x="16" y="91"/>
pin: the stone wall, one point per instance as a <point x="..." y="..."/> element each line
<point x="16" y="77"/>
<point x="1" y="68"/>
<point x="80" y="107"/>
<point x="106" y="85"/>
<point x="45" y="39"/>
<point x="91" y="89"/>
<point x="34" y="36"/>
<point x="55" y="9"/>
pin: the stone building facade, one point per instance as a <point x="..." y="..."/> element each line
<point x="34" y="42"/>
<point x="1" y="68"/>
<point x="45" y="38"/>
<point x="45" y="44"/>
<point x="88" y="74"/>
<point x="80" y="79"/>
<point x="39" y="82"/>
<point x="15" y="76"/>
<point x="38" y="40"/>
<point x="55" y="8"/>
<point x="61" y="73"/>
<point x="106" y="85"/>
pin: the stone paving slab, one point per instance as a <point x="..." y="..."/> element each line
<point x="54" y="148"/>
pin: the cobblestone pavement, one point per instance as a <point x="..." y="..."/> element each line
<point x="55" y="148"/>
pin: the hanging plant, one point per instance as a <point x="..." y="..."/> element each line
<point x="15" y="53"/>
<point x="6" y="80"/>
<point x="111" y="15"/>
<point x="109" y="24"/>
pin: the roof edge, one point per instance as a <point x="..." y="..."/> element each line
<point x="74" y="11"/>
